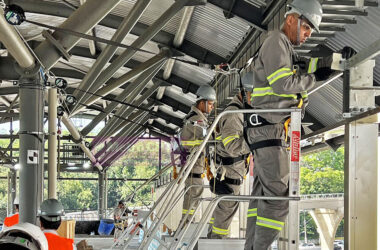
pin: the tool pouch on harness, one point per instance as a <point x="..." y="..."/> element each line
<point x="220" y="187"/>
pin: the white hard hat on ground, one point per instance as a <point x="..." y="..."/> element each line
<point x="23" y="236"/>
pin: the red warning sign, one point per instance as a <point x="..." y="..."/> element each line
<point x="296" y="136"/>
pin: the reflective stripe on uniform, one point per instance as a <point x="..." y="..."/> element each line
<point x="252" y="212"/>
<point x="220" y="230"/>
<point x="192" y="143"/>
<point x="269" y="91"/>
<point x="312" y="65"/>
<point x="279" y="74"/>
<point x="304" y="94"/>
<point x="184" y="211"/>
<point x="269" y="223"/>
<point x="212" y="220"/>
<point x="230" y="138"/>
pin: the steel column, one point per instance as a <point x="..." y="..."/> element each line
<point x="31" y="136"/>
<point x="101" y="192"/>
<point x="52" y="146"/>
<point x="13" y="179"/>
<point x="125" y="27"/>
<point x="82" y="20"/>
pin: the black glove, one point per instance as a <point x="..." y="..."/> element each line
<point x="219" y="187"/>
<point x="322" y="74"/>
<point x="348" y="52"/>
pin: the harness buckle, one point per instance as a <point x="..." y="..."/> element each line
<point x="255" y="121"/>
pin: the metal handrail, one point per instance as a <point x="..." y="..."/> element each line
<point x="189" y="165"/>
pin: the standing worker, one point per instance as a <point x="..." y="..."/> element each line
<point x="50" y="214"/>
<point x="14" y="218"/>
<point x="231" y="161"/>
<point x="192" y="134"/>
<point x="279" y="82"/>
<point x="120" y="217"/>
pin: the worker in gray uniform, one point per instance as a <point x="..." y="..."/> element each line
<point x="280" y="81"/>
<point x="231" y="160"/>
<point x="191" y="136"/>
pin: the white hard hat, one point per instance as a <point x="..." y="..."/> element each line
<point x="23" y="236"/>
<point x="310" y="9"/>
<point x="206" y="92"/>
<point x="16" y="201"/>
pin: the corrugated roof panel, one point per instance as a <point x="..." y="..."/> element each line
<point x="360" y="35"/>
<point x="326" y="103"/>
<point x="152" y="12"/>
<point x="194" y="74"/>
<point x="210" y="29"/>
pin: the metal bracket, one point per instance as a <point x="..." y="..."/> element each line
<point x="56" y="44"/>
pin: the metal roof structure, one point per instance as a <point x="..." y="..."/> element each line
<point x="208" y="32"/>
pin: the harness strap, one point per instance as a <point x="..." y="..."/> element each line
<point x="267" y="143"/>
<point x="230" y="180"/>
<point x="229" y="160"/>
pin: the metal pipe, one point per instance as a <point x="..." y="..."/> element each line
<point x="14" y="44"/>
<point x="141" y="40"/>
<point x="82" y="20"/>
<point x="125" y="27"/>
<point x="124" y="79"/>
<point x="178" y="38"/>
<point x="77" y="137"/>
<point x="52" y="146"/>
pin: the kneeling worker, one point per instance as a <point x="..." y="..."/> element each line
<point x="231" y="161"/>
<point x="50" y="214"/>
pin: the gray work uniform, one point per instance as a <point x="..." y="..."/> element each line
<point x="233" y="148"/>
<point x="192" y="134"/>
<point x="277" y="84"/>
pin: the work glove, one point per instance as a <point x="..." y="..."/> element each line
<point x="220" y="187"/>
<point x="322" y="74"/>
<point x="348" y="52"/>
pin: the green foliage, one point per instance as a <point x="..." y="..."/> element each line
<point x="322" y="172"/>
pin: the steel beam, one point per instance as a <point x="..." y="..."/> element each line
<point x="369" y="52"/>
<point x="128" y="95"/>
<point x="178" y="38"/>
<point x="102" y="137"/>
<point x="12" y="41"/>
<point x="242" y="9"/>
<point x="125" y="27"/>
<point x="122" y="138"/>
<point x="125" y="111"/>
<point x="121" y="153"/>
<point x="142" y="39"/>
<point x="158" y="59"/>
<point x="81" y="20"/>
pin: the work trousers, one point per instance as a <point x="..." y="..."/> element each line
<point x="265" y="218"/>
<point x="222" y="217"/>
<point x="191" y="198"/>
